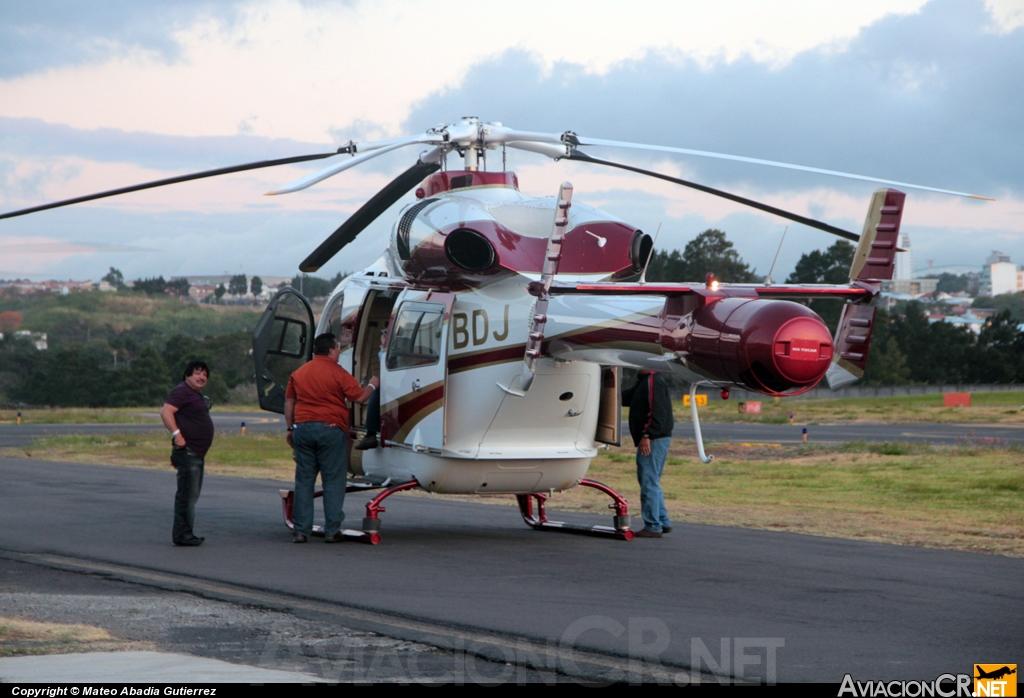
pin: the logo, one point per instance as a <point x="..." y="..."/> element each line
<point x="995" y="680"/>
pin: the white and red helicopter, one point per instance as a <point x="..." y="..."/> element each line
<point x="502" y="321"/>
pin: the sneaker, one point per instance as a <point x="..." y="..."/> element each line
<point x="298" y="538"/>
<point x="335" y="537"/>
<point x="366" y="443"/>
<point x="647" y="533"/>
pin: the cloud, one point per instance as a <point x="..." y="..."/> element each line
<point x="929" y="97"/>
<point x="26" y="137"/>
<point x="44" y="34"/>
<point x="926" y="97"/>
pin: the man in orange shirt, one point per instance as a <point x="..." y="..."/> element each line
<point x="317" y="419"/>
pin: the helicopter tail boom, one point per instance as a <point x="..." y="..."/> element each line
<point x="774" y="347"/>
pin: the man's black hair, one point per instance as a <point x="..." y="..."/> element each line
<point x="194" y="366"/>
<point x="323" y="344"/>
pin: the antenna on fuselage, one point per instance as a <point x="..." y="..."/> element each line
<point x="643" y="274"/>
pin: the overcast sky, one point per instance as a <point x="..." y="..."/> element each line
<point x="100" y="95"/>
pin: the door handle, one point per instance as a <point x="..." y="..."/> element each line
<point x="416" y="384"/>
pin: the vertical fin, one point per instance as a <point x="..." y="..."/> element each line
<point x="874" y="260"/>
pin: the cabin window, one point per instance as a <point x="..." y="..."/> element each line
<point x="416" y="337"/>
<point x="333" y="315"/>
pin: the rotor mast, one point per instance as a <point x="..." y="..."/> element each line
<point x="471" y="154"/>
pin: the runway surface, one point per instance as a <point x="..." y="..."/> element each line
<point x="815" y="608"/>
<point x="263" y="422"/>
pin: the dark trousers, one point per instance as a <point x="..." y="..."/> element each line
<point x="373" y="413"/>
<point x="319" y="448"/>
<point x="189" y="465"/>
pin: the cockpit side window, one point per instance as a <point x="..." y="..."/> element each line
<point x="416" y="336"/>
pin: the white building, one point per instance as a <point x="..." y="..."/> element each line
<point x="999" y="275"/>
<point x="904" y="260"/>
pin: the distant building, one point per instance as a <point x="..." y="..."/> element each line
<point x="38" y="339"/>
<point x="914" y="287"/>
<point x="999" y="276"/>
<point x="200" y="292"/>
<point x="904" y="260"/>
<point x="969" y="320"/>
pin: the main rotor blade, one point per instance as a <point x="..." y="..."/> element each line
<point x="577" y="155"/>
<point x="176" y="180"/>
<point x="368" y="213"/>
<point x="581" y="141"/>
<point x="323" y="174"/>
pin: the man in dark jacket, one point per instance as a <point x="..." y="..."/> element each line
<point x="650" y="425"/>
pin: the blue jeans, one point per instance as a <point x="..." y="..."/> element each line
<point x="319" y="448"/>
<point x="648" y="473"/>
<point x="189" y="465"/>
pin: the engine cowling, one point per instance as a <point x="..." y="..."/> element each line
<point x="769" y="346"/>
<point x="484" y="230"/>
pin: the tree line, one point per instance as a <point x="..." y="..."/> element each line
<point x="85" y="377"/>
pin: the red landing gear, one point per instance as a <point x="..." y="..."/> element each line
<point x="539" y="521"/>
<point x="371" y="524"/>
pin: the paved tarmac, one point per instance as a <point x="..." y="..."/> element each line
<point x="756" y="604"/>
<point x="13" y="435"/>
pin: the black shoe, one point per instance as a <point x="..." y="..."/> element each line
<point x="647" y="533"/>
<point x="666" y="529"/>
<point x="190" y="542"/>
<point x="367" y="442"/>
<point x="298" y="538"/>
<point x="335" y="537"/>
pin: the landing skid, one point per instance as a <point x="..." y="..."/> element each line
<point x="371" y="524"/>
<point x="539" y="520"/>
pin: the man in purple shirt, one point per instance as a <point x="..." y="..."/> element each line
<point x="186" y="415"/>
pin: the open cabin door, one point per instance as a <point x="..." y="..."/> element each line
<point x="368" y="327"/>
<point x="609" y="413"/>
<point x="414" y="374"/>
<point x="281" y="342"/>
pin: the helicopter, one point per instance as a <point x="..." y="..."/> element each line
<point x="499" y="323"/>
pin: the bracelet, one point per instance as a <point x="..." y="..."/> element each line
<point x="175" y="433"/>
<point x="290" y="429"/>
<point x="371" y="386"/>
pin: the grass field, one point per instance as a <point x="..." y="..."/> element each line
<point x="22" y="637"/>
<point x="967" y="497"/>
<point x="105" y="415"/>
